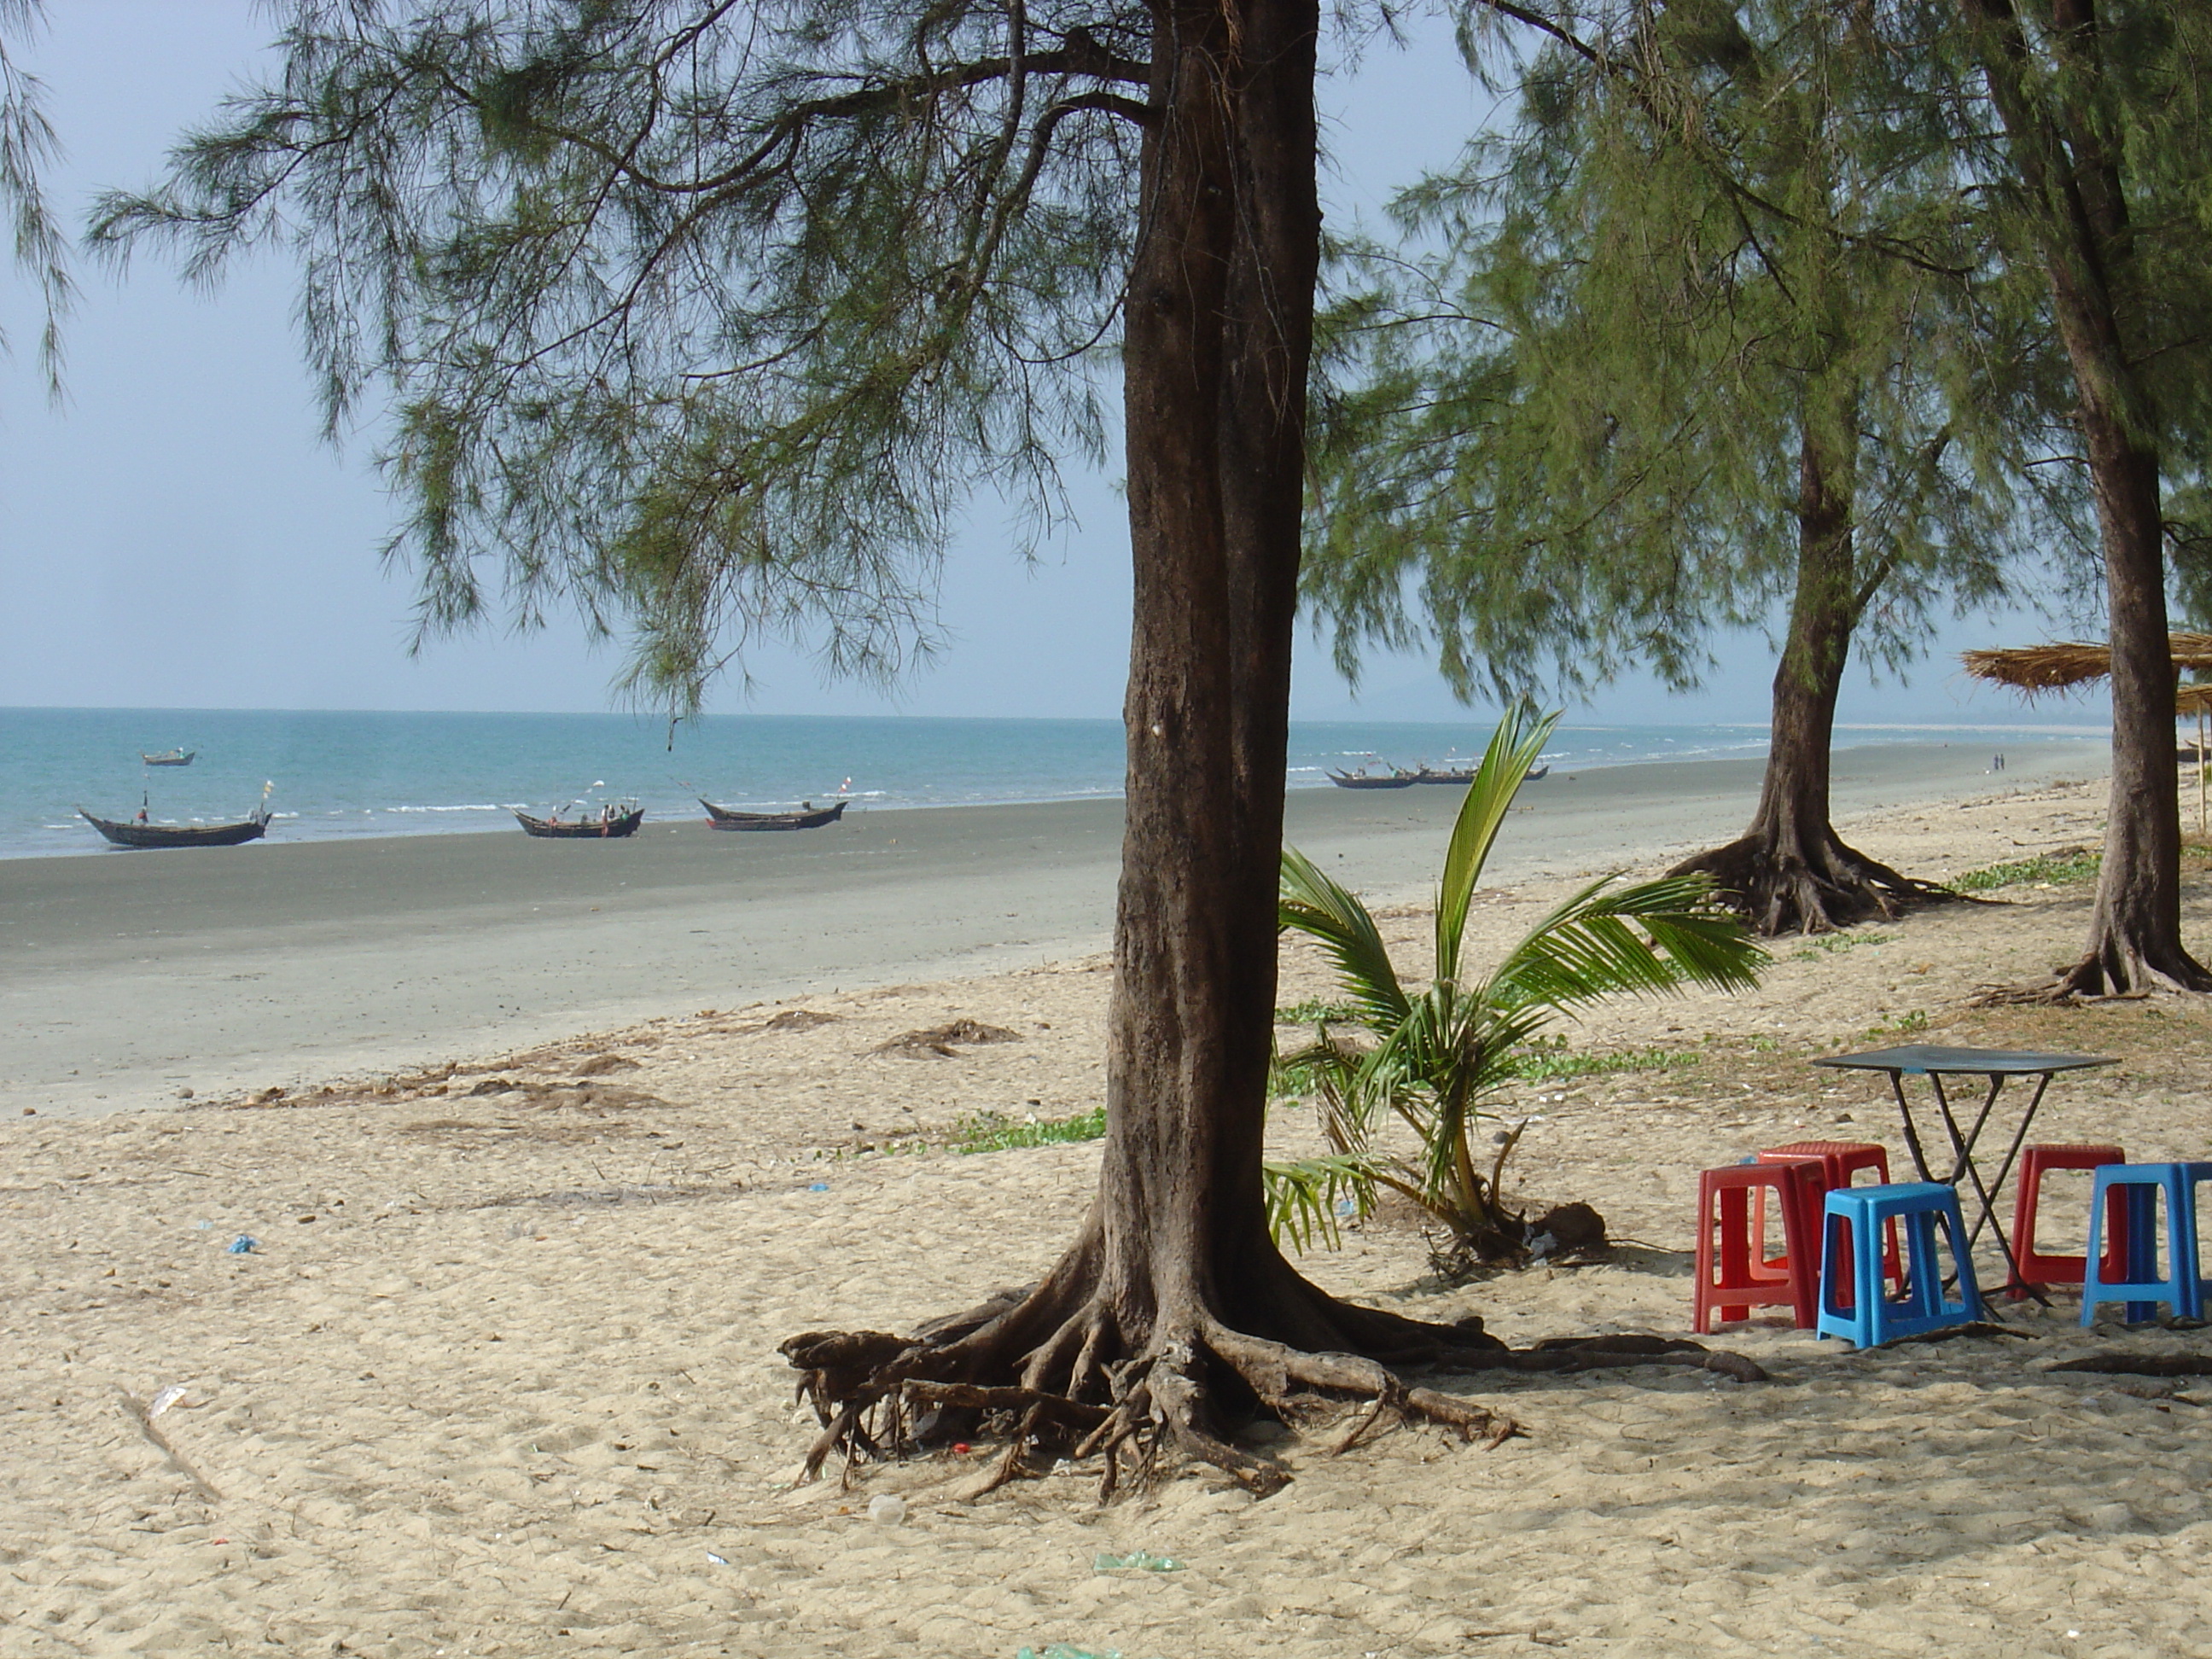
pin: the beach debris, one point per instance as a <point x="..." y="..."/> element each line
<point x="1136" y="1560"/>
<point x="141" y="1418"/>
<point x="719" y="1560"/>
<point x="600" y="1065"/>
<point x="1061" y="1650"/>
<point x="244" y="1244"/>
<point x="942" y="1039"/>
<point x="173" y="1394"/>
<point x="794" y="1019"/>
<point x="818" y="1187"/>
<point x="184" y="1094"/>
<point x="887" y="1510"/>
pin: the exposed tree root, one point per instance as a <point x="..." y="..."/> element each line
<point x="1052" y="1383"/>
<point x="2114" y="973"/>
<point x="1797" y="885"/>
<point x="2139" y="1364"/>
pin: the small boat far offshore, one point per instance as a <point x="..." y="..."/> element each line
<point x="610" y="824"/>
<point x="169" y="757"/>
<point x="808" y="816"/>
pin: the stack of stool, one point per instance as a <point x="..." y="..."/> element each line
<point x="2139" y="1285"/>
<point x="1839" y="1161"/>
<point x="2037" y="1269"/>
<point x="1853" y="1220"/>
<point x="1734" y="1273"/>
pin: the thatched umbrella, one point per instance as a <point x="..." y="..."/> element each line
<point x="2060" y="667"/>
<point x="2064" y="665"/>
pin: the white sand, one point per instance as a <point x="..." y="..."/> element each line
<point x="513" y="1389"/>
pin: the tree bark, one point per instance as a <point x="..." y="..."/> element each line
<point x="1790" y="872"/>
<point x="1173" y="1315"/>
<point x="2071" y="175"/>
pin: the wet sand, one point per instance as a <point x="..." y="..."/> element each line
<point x="129" y="976"/>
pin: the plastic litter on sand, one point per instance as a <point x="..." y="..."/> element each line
<point x="244" y="1244"/>
<point x="1061" y="1650"/>
<point x="161" y="1401"/>
<point x="887" y="1510"/>
<point x="1142" y="1560"/>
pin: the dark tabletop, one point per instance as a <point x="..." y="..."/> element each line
<point x="1917" y="1058"/>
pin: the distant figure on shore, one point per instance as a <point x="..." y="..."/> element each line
<point x="1997" y="764"/>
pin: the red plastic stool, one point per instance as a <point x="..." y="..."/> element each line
<point x="1733" y="1273"/>
<point x="1839" y="1161"/>
<point x="2038" y="1269"/>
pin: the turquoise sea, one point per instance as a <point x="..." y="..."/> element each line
<point x="340" y="773"/>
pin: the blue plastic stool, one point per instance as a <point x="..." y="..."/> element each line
<point x="1858" y="1214"/>
<point x="2142" y="1289"/>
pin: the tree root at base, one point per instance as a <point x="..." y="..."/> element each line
<point x="1784" y="885"/>
<point x="2114" y="973"/>
<point x="1175" y="1401"/>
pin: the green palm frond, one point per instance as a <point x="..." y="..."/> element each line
<point x="1317" y="906"/>
<point x="1446" y="1050"/>
<point x="1645" y="938"/>
<point x="1303" y="1197"/>
<point x="1521" y="736"/>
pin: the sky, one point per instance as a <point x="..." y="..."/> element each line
<point x="175" y="534"/>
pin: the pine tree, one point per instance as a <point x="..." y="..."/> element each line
<point x="705" y="318"/>
<point x="2087" y="126"/>
<point x="1700" y="338"/>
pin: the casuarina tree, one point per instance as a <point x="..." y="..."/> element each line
<point x="706" y="318"/>
<point x="1702" y="336"/>
<point x="2088" y="124"/>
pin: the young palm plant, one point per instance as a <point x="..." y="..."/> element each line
<point x="1434" y="1056"/>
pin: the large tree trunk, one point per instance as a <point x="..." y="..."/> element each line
<point x="1173" y="1314"/>
<point x="1790" y="871"/>
<point x="2071" y="178"/>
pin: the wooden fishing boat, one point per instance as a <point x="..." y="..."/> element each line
<point x="169" y="757"/>
<point x="142" y="833"/>
<point x="1459" y="775"/>
<point x="612" y="823"/>
<point x="808" y="816"/>
<point x="1396" y="780"/>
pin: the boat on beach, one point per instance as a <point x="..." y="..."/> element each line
<point x="142" y="832"/>
<point x="610" y="823"/>
<point x="1395" y="779"/>
<point x="1464" y="775"/>
<point x="808" y="816"/>
<point x="169" y="757"/>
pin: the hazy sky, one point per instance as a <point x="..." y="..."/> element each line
<point x="175" y="536"/>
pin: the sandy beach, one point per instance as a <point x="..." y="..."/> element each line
<point x="500" y="1374"/>
<point x="283" y="964"/>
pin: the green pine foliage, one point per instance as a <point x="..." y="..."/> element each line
<point x="705" y="321"/>
<point x="1569" y="422"/>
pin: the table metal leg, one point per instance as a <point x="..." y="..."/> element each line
<point x="1911" y="1130"/>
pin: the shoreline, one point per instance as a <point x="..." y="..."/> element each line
<point x="129" y="979"/>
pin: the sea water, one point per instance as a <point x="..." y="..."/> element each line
<point x="350" y="773"/>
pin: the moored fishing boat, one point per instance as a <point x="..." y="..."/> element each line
<point x="142" y="832"/>
<point x="808" y="816"/>
<point x="609" y="823"/>
<point x="169" y="757"/>
<point x="1363" y="780"/>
